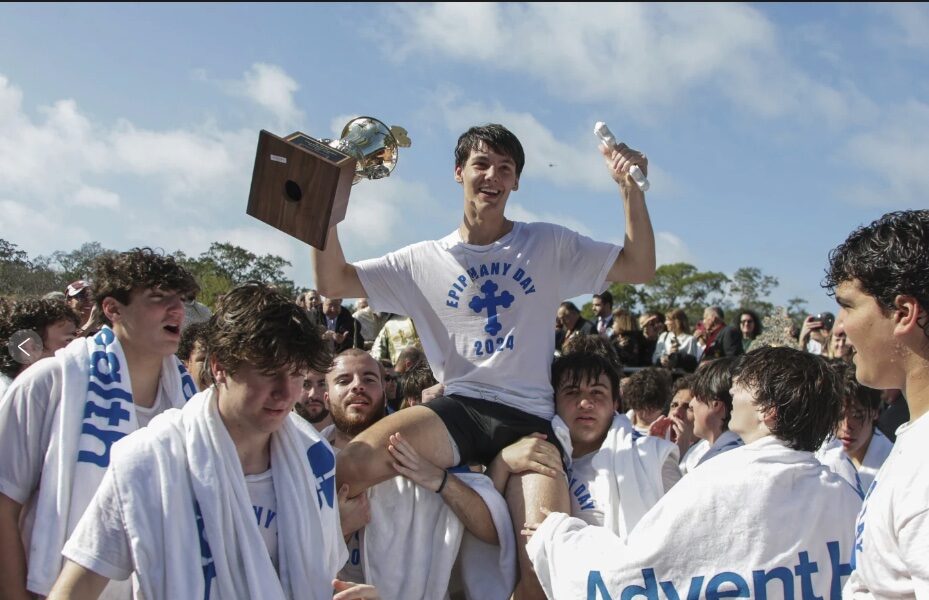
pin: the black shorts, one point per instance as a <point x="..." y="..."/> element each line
<point x="481" y="428"/>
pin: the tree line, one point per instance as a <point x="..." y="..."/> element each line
<point x="217" y="270"/>
<point x="224" y="265"/>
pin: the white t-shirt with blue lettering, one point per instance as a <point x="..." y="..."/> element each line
<point x="485" y="313"/>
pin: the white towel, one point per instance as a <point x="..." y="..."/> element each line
<point x="190" y="520"/>
<point x="750" y="522"/>
<point x="833" y="456"/>
<point x="414" y="537"/>
<point x="488" y="571"/>
<point x="96" y="410"/>
<point x="628" y="469"/>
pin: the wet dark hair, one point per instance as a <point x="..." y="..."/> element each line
<point x="648" y="389"/>
<point x="256" y="325"/>
<point x="581" y="365"/>
<point x="496" y="137"/>
<point x="712" y="381"/>
<point x="888" y="258"/>
<point x="193" y="333"/>
<point x="36" y="314"/>
<point x="803" y="390"/>
<point x="415" y="380"/>
<point x="117" y="275"/>
<point x="594" y="344"/>
<point x="570" y="307"/>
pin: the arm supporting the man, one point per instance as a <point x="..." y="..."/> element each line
<point x="335" y="278"/>
<point x="12" y="553"/>
<point x="470" y="509"/>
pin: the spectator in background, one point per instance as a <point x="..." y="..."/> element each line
<point x="815" y="333"/>
<point x="396" y="335"/>
<point x="750" y="326"/>
<point x="192" y="352"/>
<point x="53" y="322"/>
<point x="342" y="331"/>
<point x="676" y="348"/>
<point x="370" y="321"/>
<point x="80" y="299"/>
<point x="718" y="338"/>
<point x="391" y="386"/>
<point x="627" y="340"/>
<point x="312" y="405"/>
<point x="572" y="324"/>
<point x="652" y="325"/>
<point x="646" y="394"/>
<point x="602" y="305"/>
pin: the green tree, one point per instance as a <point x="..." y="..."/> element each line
<point x="796" y="309"/>
<point x="20" y="276"/>
<point x="682" y="285"/>
<point x="751" y="287"/>
<point x="78" y="264"/>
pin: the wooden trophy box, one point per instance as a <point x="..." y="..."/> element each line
<point x="300" y="186"/>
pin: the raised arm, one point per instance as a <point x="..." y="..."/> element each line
<point x="636" y="262"/>
<point x="335" y="278"/>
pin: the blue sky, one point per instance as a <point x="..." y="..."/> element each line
<point x="772" y="130"/>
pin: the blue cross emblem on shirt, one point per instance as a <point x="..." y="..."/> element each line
<point x="490" y="302"/>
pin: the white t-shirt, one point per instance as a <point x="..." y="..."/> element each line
<point x="27" y="421"/>
<point x="833" y="455"/>
<point x="582" y="473"/>
<point x="692" y="457"/>
<point x="484" y="313"/>
<point x="354" y="569"/>
<point x="264" y="503"/>
<point x="101" y="542"/>
<point x="892" y="535"/>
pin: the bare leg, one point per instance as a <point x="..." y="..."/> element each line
<point x="526" y="494"/>
<point x="365" y="461"/>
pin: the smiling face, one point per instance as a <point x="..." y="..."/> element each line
<point x="150" y="324"/>
<point x="587" y="409"/>
<point x="355" y="392"/>
<point x="488" y="177"/>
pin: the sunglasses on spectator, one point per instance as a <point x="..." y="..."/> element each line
<point x="744" y="321"/>
<point x="391" y="378"/>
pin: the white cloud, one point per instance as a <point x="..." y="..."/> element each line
<point x="893" y="156"/>
<point x="518" y="212"/>
<point x="272" y="88"/>
<point x="638" y="57"/>
<point x="93" y="197"/>
<point x="909" y="24"/>
<point x="376" y="212"/>
<point x="670" y="249"/>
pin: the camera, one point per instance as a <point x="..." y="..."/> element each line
<point x="827" y="319"/>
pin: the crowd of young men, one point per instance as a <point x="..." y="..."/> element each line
<point x="230" y="493"/>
